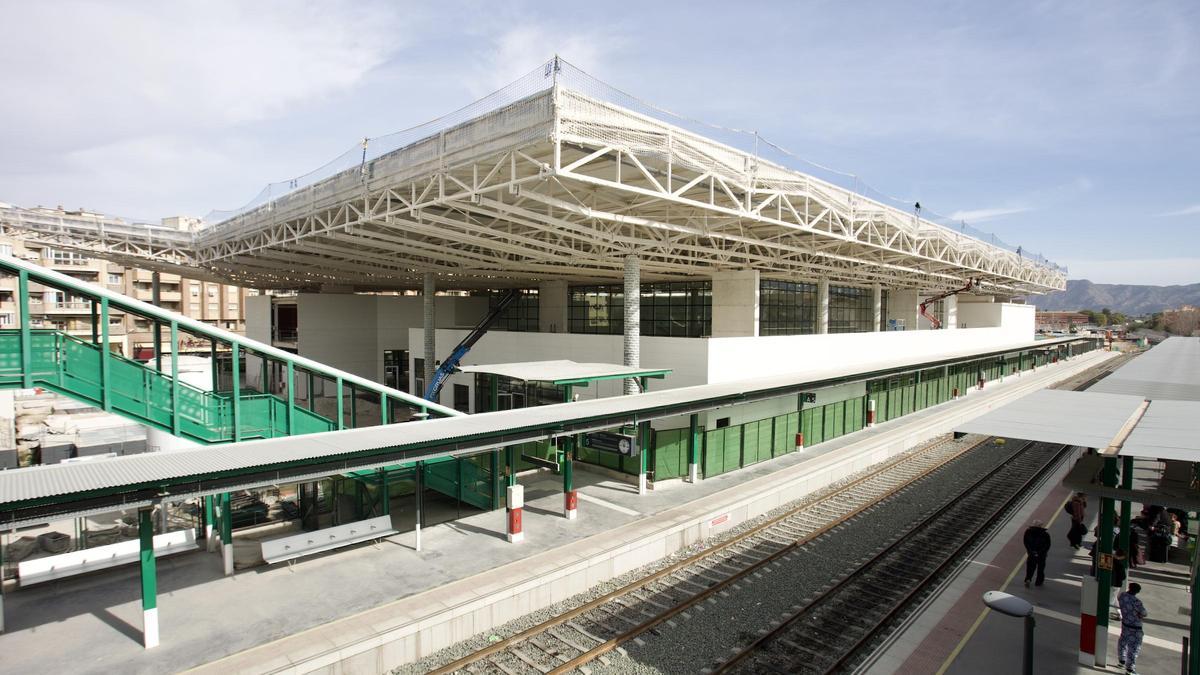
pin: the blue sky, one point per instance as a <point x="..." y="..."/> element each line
<point x="1070" y="128"/>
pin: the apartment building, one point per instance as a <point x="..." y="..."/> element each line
<point x="219" y="305"/>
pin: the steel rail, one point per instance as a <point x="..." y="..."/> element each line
<point x="847" y="583"/>
<point x="625" y="590"/>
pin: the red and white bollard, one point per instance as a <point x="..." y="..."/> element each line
<point x="870" y="413"/>
<point x="1093" y="641"/>
<point x="799" y="442"/>
<point x="981" y="381"/>
<point x="571" y="504"/>
<point x="956" y="393"/>
<point x="516" y="502"/>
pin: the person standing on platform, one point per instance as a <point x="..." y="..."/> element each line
<point x="1132" y="613"/>
<point x="1037" y="546"/>
<point x="1077" y="508"/>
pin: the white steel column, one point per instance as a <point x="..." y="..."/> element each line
<point x="822" y="326"/>
<point x="430" y="332"/>
<point x="633" y="318"/>
<point x="877" y="302"/>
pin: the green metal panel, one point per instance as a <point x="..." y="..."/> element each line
<point x="714" y="453"/>
<point x="781" y="442"/>
<point x="670" y="453"/>
<point x="26" y="351"/>
<point x="750" y="454"/>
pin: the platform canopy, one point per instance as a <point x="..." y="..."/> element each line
<point x="1084" y="419"/>
<point x="1170" y="370"/>
<point x="564" y="372"/>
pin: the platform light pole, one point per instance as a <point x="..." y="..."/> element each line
<point x="1011" y="605"/>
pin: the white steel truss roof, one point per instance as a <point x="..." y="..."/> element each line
<point x="560" y="185"/>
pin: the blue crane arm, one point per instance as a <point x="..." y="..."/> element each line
<point x="450" y="364"/>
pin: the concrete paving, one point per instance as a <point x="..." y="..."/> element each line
<point x="92" y="623"/>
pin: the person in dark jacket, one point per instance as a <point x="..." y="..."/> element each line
<point x="1077" y="507"/>
<point x="1037" y="546"/>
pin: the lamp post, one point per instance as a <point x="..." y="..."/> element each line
<point x="1011" y="605"/>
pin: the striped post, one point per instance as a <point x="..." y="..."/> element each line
<point x="1087" y="622"/>
<point x="870" y="413"/>
<point x="149" y="578"/>
<point x="516" y="503"/>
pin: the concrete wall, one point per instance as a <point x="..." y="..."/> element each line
<point x="735" y="304"/>
<point x="553" y="307"/>
<point x="902" y="306"/>
<point x="258" y="318"/>
<point x="741" y="358"/>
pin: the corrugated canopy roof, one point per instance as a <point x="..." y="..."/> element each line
<point x="563" y="371"/>
<point x="1170" y="370"/>
<point x="1168" y="430"/>
<point x="1079" y="418"/>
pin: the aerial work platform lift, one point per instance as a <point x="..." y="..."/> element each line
<point x="934" y="322"/>
<point x="451" y="363"/>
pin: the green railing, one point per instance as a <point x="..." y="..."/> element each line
<point x="154" y="395"/>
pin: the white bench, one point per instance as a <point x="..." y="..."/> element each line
<point x="101" y="557"/>
<point x="308" y="543"/>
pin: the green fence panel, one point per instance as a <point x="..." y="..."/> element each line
<point x="714" y="453"/>
<point x="752" y="453"/>
<point x="670" y="448"/>
<point x="733" y="448"/>
<point x="766" y="438"/>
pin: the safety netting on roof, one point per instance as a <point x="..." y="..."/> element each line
<point x="764" y="152"/>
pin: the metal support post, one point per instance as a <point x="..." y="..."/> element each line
<point x="644" y="446"/>
<point x="383" y="409"/>
<point x="227" y="533"/>
<point x="384" y="498"/>
<point x="1104" y="562"/>
<point x="312" y="397"/>
<point x="236" y="400"/>
<point x="633" y="319"/>
<point x="105" y="384"/>
<point x="1126" y="507"/>
<point x="570" y="496"/>
<point x="353" y="407"/>
<point x="1194" y="623"/>
<point x="291" y="398"/>
<point x="877" y="303"/>
<point x="156" y="300"/>
<point x="341" y="406"/>
<point x="420" y="499"/>
<point x="429" y="324"/>
<point x="175" y="405"/>
<point x="1" y="583"/>
<point x="1027" y="651"/>
<point x="693" y="448"/>
<point x="493" y="393"/>
<point x="210" y="542"/>
<point x="216" y="373"/>
<point x="26" y="331"/>
<point x="149" y="578"/>
<point x="822" y="326"/>
<point x="95" y="322"/>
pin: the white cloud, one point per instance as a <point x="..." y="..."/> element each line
<point x="1192" y="210"/>
<point x="95" y="73"/>
<point x="516" y="51"/>
<point x="1154" y="271"/>
<point x="984" y="215"/>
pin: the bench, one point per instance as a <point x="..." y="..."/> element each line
<point x="86" y="560"/>
<point x="308" y="543"/>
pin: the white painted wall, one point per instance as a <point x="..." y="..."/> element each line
<point x="553" y="307"/>
<point x="902" y="305"/>
<point x="741" y="358"/>
<point x="340" y="331"/>
<point x="258" y="318"/>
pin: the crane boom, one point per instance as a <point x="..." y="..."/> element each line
<point x="972" y="285"/>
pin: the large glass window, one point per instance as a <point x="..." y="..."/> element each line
<point x="669" y="309"/>
<point x="786" y="308"/>
<point x="521" y="315"/>
<point x="851" y="310"/>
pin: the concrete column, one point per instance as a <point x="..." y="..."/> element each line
<point x="950" y="304"/>
<point x="553" y="304"/>
<point x="735" y="304"/>
<point x="633" y="318"/>
<point x="430" y="330"/>
<point x="822" y="326"/>
<point x="693" y="448"/>
<point x="227" y="533"/>
<point x="516" y="503"/>
<point x="877" y="303"/>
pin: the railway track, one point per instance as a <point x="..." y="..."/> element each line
<point x="828" y="633"/>
<point x="589" y="631"/>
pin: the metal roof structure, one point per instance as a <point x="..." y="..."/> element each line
<point x="559" y="176"/>
<point x="146" y="478"/>
<point x="1170" y="370"/>
<point x="563" y="371"/>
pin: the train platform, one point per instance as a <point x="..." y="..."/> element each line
<point x="371" y="607"/>
<point x="954" y="634"/>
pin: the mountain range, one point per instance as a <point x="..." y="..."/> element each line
<point x="1125" y="298"/>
